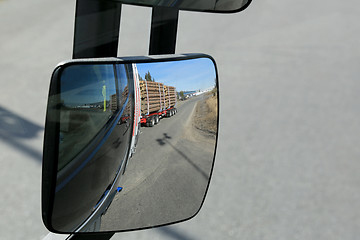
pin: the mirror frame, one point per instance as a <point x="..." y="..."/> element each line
<point x="51" y="140"/>
<point x="187" y="9"/>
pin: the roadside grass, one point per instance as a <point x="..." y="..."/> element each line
<point x="206" y="114"/>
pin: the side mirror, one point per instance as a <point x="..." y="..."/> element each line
<point x="99" y="112"/>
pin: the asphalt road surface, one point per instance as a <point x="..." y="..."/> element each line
<point x="287" y="164"/>
<point x="167" y="177"/>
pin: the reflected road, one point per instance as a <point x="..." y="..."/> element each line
<point x="167" y="176"/>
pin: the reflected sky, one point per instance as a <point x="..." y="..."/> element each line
<point x="185" y="75"/>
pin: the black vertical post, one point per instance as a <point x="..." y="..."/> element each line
<point x="96" y="34"/>
<point x="164" y="24"/>
<point x="97" y="25"/>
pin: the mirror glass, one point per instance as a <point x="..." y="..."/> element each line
<point x="195" y="5"/>
<point x="132" y="143"/>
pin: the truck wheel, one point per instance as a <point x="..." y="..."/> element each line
<point x="157" y="119"/>
<point x="152" y="122"/>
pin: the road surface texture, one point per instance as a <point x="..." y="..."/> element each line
<point x="167" y="177"/>
<point x="287" y="164"/>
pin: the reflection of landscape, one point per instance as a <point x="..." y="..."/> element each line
<point x="110" y="103"/>
<point x="85" y="107"/>
<point x="80" y="124"/>
<point x="167" y="177"/>
<point x="78" y="127"/>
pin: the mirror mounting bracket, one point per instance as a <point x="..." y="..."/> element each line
<point x="97" y="26"/>
<point x="164" y="24"/>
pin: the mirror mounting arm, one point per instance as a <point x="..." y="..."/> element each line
<point x="97" y="26"/>
<point x="164" y="24"/>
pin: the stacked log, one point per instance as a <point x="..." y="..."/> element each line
<point x="156" y="96"/>
<point x="170" y="96"/>
<point x="151" y="96"/>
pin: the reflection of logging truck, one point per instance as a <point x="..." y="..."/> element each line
<point x="151" y="101"/>
<point x="157" y="101"/>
